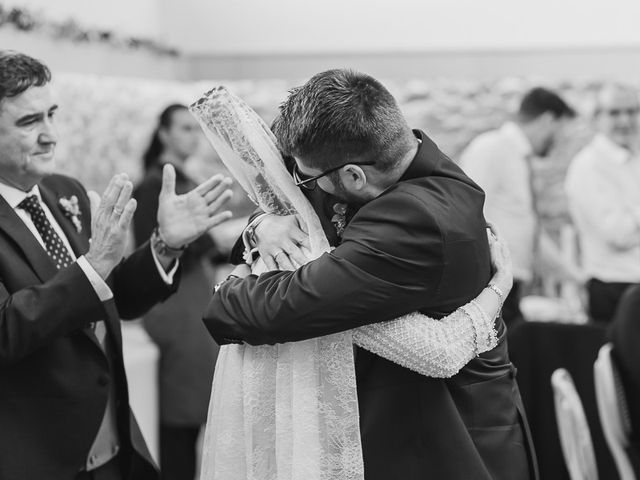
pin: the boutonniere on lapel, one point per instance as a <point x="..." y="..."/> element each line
<point x="71" y="210"/>
<point x="339" y="220"/>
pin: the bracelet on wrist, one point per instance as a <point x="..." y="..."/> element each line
<point x="498" y="291"/>
<point x="160" y="246"/>
<point x="249" y="234"/>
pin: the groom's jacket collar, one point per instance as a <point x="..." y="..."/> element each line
<point x="430" y="161"/>
<point x="425" y="160"/>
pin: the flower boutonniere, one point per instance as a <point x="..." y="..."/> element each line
<point x="72" y="211"/>
<point x="339" y="220"/>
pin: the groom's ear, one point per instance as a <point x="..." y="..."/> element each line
<point x="354" y="177"/>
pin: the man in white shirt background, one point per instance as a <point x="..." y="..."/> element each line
<point x="500" y="161"/>
<point x="603" y="191"/>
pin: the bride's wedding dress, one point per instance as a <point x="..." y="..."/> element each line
<point x="289" y="411"/>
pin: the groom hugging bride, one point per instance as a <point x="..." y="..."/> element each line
<point x="367" y="342"/>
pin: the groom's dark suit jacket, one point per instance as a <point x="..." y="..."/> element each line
<point x="54" y="375"/>
<point x="421" y="245"/>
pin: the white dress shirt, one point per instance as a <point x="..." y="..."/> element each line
<point x="603" y="191"/>
<point x="498" y="161"/>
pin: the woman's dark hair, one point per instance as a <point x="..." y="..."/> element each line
<point x="538" y="101"/>
<point x="155" y="148"/>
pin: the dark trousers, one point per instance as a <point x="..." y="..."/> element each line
<point x="109" y="471"/>
<point x="178" y="452"/>
<point x="511" y="313"/>
<point x="604" y="298"/>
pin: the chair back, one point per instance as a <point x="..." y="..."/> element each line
<point x="613" y="410"/>
<point x="573" y="429"/>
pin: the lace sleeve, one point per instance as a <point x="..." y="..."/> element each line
<point x="434" y="348"/>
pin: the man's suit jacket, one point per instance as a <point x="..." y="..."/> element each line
<point x="421" y="245"/>
<point x="54" y="375"/>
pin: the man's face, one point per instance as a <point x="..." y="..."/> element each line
<point x="183" y="135"/>
<point x="331" y="184"/>
<point x="617" y="116"/>
<point x="28" y="137"/>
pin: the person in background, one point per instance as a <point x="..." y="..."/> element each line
<point x="602" y="187"/>
<point x="187" y="352"/>
<point x="500" y="161"/>
<point x="64" y="286"/>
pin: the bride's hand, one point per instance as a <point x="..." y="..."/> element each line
<point x="282" y="243"/>
<point x="500" y="261"/>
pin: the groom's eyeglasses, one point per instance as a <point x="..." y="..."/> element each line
<point x="310" y="183"/>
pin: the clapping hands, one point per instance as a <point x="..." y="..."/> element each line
<point x="183" y="218"/>
<point x="110" y="219"/>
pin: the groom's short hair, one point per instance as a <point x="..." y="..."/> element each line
<point x="19" y="72"/>
<point x="340" y="115"/>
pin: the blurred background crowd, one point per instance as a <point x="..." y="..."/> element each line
<point x="537" y="101"/>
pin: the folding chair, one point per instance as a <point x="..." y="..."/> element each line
<point x="575" y="437"/>
<point x="613" y="410"/>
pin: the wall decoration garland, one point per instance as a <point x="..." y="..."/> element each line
<point x="25" y="20"/>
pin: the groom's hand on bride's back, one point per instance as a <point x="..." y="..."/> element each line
<point x="282" y="243"/>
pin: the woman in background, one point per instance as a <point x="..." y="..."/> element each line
<point x="187" y="351"/>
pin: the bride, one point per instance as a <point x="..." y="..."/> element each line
<point x="289" y="411"/>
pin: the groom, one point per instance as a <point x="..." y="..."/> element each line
<point x="417" y="242"/>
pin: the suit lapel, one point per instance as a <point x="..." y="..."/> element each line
<point x="36" y="255"/>
<point x="79" y="242"/>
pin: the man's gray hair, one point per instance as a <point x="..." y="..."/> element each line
<point x="18" y="72"/>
